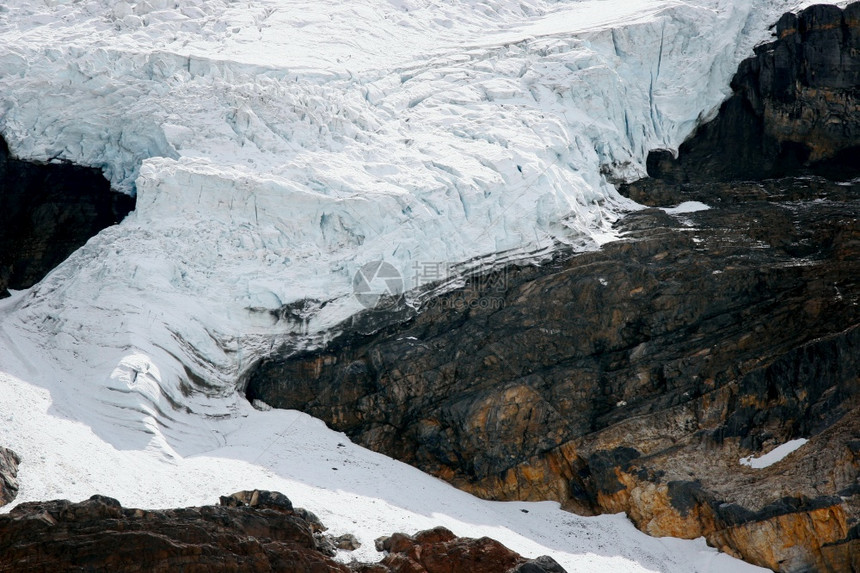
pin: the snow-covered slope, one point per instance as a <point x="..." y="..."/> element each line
<point x="275" y="147"/>
<point x="351" y="489"/>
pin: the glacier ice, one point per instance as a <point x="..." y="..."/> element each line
<point x="277" y="146"/>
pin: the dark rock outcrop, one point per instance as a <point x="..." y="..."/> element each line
<point x="249" y="531"/>
<point x="795" y="109"/>
<point x="440" y="551"/>
<point x="47" y="211"/>
<point x="259" y="499"/>
<point x="100" y="535"/>
<point x="9" y="461"/>
<point x="611" y="381"/>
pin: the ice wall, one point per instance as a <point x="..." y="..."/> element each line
<point x="277" y="146"/>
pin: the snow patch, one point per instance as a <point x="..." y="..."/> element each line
<point x="686" y="207"/>
<point x="775" y="455"/>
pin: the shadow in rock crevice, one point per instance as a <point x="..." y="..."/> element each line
<point x="47" y="211"/>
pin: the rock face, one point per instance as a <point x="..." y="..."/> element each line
<point x="249" y="531"/>
<point x="46" y="213"/>
<point x="9" y="461"/>
<point x="796" y="107"/>
<point x="636" y="378"/>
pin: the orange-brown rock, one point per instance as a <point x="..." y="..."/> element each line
<point x="737" y="336"/>
<point x="715" y="337"/>
<point x="440" y="551"/>
<point x="100" y="535"/>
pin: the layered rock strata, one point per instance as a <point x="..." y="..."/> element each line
<point x="638" y="377"/>
<point x="795" y="109"/>
<point x="634" y="379"/>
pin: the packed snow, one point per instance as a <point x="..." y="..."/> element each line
<point x="277" y="146"/>
<point x="686" y="207"/>
<point x="351" y="489"/>
<point x="777" y="454"/>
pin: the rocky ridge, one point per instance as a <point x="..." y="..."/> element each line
<point x="636" y="378"/>
<point x="249" y="531"/>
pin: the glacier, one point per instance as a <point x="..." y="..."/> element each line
<point x="274" y="148"/>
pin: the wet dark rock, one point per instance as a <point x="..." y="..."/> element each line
<point x="685" y="495"/>
<point x="635" y="378"/>
<point x="47" y="211"/>
<point x="602" y="467"/>
<point x="9" y="461"/>
<point x="100" y="535"/>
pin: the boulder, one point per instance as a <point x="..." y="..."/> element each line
<point x="100" y="535"/>
<point x="440" y="551"/>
